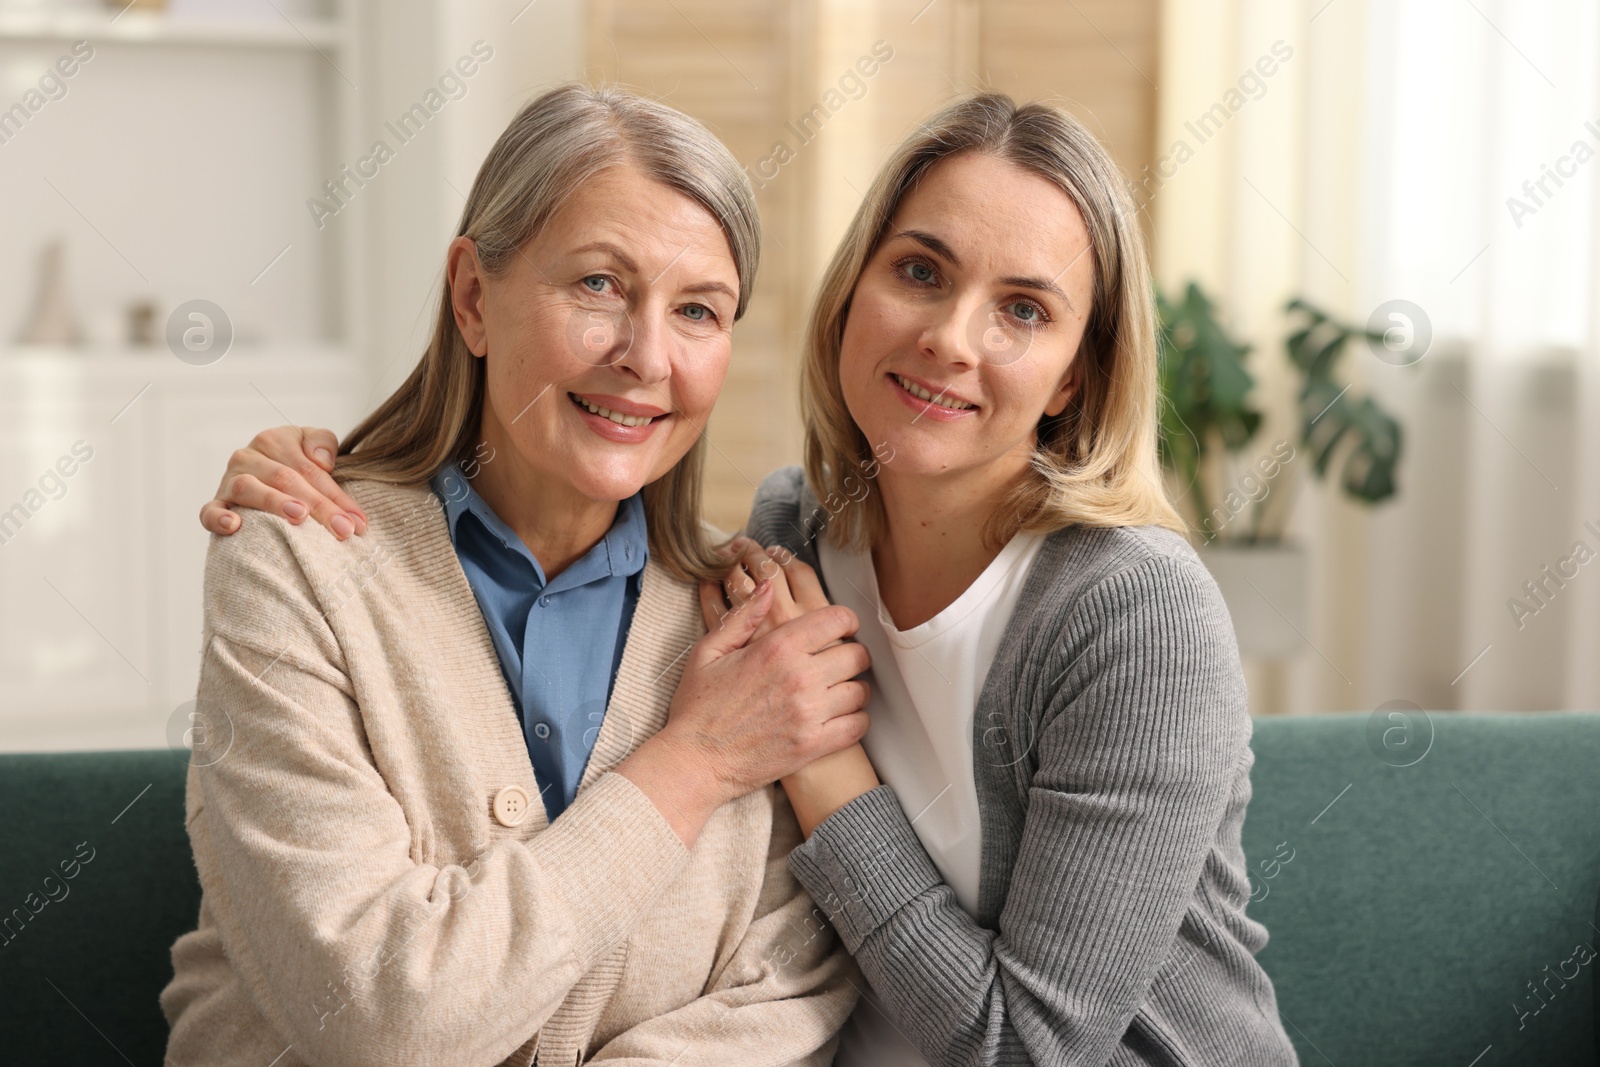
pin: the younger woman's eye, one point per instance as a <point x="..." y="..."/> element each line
<point x="918" y="271"/>
<point x="1026" y="311"/>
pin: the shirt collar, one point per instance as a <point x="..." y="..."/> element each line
<point x="623" y="551"/>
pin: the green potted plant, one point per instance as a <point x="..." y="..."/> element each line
<point x="1239" y="511"/>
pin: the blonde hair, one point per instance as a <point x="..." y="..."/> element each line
<point x="1097" y="463"/>
<point x="557" y="142"/>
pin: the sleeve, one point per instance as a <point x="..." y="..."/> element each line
<point x="778" y="515"/>
<point x="355" y="952"/>
<point x="1138" y="744"/>
<point x="778" y="999"/>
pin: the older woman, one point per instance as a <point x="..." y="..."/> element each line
<point x="490" y="791"/>
<point x="1035" y="857"/>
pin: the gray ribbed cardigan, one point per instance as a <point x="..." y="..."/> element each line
<point x="1112" y="758"/>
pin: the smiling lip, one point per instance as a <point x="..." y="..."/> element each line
<point x="621" y="406"/>
<point x="603" y="425"/>
<point x="927" y="407"/>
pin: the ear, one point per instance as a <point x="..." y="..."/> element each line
<point x="466" y="293"/>
<point x="1068" y="387"/>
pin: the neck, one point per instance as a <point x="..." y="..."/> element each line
<point x="558" y="524"/>
<point x="933" y="548"/>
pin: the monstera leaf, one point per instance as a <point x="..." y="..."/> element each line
<point x="1205" y="402"/>
<point x="1204" y="389"/>
<point x="1331" y="417"/>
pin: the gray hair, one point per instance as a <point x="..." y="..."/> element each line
<point x="569" y="135"/>
<point x="556" y="143"/>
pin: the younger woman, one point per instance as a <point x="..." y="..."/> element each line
<point x="1052" y="871"/>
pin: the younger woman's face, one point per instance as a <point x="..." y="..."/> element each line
<point x="964" y="323"/>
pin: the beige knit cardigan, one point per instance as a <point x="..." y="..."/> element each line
<point x="361" y="904"/>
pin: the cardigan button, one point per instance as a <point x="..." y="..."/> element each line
<point x="510" y="805"/>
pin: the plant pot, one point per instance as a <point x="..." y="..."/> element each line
<point x="1264" y="586"/>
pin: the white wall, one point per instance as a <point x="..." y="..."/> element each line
<point x="175" y="170"/>
<point x="415" y="210"/>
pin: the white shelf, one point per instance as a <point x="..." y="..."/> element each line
<point x="101" y="359"/>
<point x="111" y="568"/>
<point x="136" y="27"/>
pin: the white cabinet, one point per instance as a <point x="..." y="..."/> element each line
<point x="105" y="459"/>
<point x="75" y="637"/>
<point x="177" y="163"/>
<point x="172" y="155"/>
<point x="195" y="425"/>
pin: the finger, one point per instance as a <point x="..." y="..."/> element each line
<point x="844" y="729"/>
<point x="738" y="625"/>
<point x="281" y="444"/>
<point x="757" y="566"/>
<point x="757" y="562"/>
<point x="740" y="585"/>
<point x="248" y="492"/>
<point x="320" y="446"/>
<point x="297" y="449"/>
<point x="296" y="484"/>
<point x="216" y="518"/>
<point x="852" y="696"/>
<point x="816" y="630"/>
<point x="762" y="566"/>
<point x="332" y="506"/>
<point x="804" y="586"/>
<point x="841" y="662"/>
<point x="712" y="607"/>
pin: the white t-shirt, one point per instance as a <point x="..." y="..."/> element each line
<point x="925" y="686"/>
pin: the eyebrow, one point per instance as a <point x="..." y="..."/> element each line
<point x="713" y="287"/>
<point x="1041" y="285"/>
<point x="939" y="248"/>
<point x="611" y="249"/>
<point x="932" y="244"/>
<point x="628" y="263"/>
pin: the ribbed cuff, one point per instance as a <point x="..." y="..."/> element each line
<point x="863" y="864"/>
<point x="615" y="853"/>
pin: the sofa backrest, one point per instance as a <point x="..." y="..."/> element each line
<point x="96" y="882"/>
<point x="1429" y="884"/>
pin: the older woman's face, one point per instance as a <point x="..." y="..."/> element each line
<point x="964" y="324"/>
<point x="608" y="339"/>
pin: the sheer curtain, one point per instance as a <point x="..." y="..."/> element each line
<point x="1446" y="153"/>
<point x="1483" y="149"/>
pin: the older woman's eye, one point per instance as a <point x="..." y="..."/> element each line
<point x="698" y="313"/>
<point x="596" y="283"/>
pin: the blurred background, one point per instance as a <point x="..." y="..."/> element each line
<point x="1373" y="228"/>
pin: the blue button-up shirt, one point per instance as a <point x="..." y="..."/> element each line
<point x="559" y="642"/>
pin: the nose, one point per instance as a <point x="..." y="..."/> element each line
<point x="944" y="337"/>
<point x="648" y="356"/>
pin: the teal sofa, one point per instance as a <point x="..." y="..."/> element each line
<point x="1427" y="885"/>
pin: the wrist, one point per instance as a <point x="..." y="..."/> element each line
<point x="678" y="781"/>
<point x="827" y="784"/>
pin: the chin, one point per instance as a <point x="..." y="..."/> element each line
<point x="606" y="474"/>
<point x="915" y="450"/>
<point x="608" y="485"/>
<point x="923" y="463"/>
